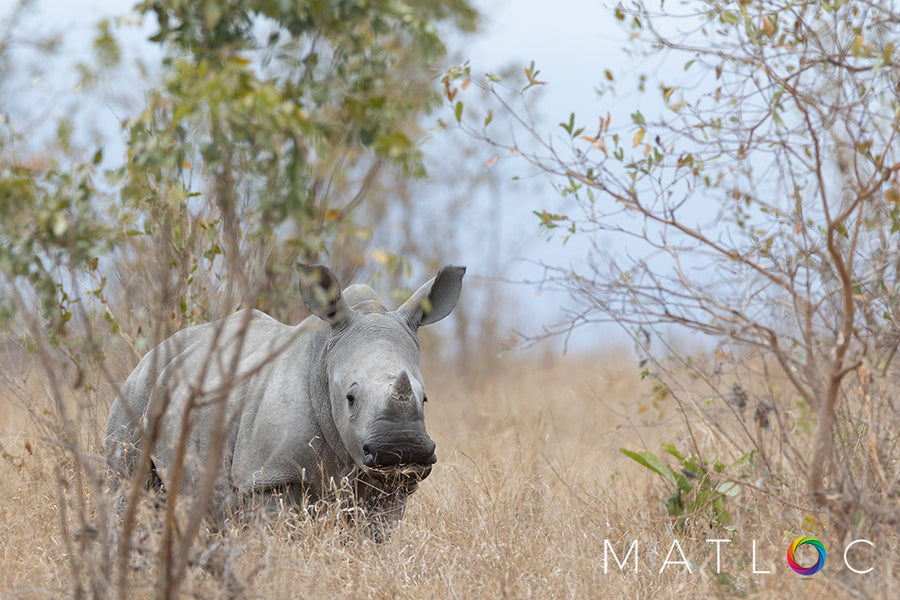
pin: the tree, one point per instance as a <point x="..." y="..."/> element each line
<point x="760" y="209"/>
<point x="253" y="152"/>
<point x="286" y="112"/>
<point x="277" y="118"/>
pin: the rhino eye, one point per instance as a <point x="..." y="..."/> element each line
<point x="351" y="400"/>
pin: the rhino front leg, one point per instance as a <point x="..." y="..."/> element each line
<point x="383" y="513"/>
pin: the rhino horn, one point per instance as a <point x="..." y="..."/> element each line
<point x="402" y="388"/>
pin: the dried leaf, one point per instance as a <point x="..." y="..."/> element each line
<point x="380" y="256"/>
<point x="638" y="137"/>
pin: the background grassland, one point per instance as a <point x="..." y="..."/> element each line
<point x="529" y="485"/>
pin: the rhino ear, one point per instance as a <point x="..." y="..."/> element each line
<point x="321" y="294"/>
<point x="434" y="300"/>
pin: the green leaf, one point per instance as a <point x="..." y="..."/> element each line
<point x="777" y="118"/>
<point x="730" y="18"/>
<point x="570" y="125"/>
<point x="671" y="449"/>
<point x="841" y="229"/>
<point x="459" y="111"/>
<point x="675" y="505"/>
<point x="728" y="488"/>
<point x="549" y="220"/>
<point x="682" y="482"/>
<point x="652" y="462"/>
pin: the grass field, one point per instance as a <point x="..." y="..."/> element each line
<point x="529" y="494"/>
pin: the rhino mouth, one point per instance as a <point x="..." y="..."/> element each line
<point x="392" y="467"/>
<point x="400" y="474"/>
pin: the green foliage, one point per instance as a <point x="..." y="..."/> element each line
<point x="327" y="74"/>
<point x="285" y="111"/>
<point x="251" y="153"/>
<point x="48" y="228"/>
<point x="699" y="490"/>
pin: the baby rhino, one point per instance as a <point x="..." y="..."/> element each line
<point x="254" y="410"/>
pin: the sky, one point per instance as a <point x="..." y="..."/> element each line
<point x="572" y="42"/>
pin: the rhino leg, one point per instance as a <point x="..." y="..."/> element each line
<point x="123" y="450"/>
<point x="266" y="504"/>
<point x="383" y="514"/>
<point x="125" y="436"/>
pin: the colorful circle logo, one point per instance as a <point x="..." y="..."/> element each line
<point x="802" y="541"/>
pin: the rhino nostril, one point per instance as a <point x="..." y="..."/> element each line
<point x="432" y="459"/>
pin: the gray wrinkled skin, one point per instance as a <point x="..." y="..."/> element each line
<point x="336" y="401"/>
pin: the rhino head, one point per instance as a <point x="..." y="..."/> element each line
<point x="371" y="361"/>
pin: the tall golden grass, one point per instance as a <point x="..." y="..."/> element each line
<point x="529" y="491"/>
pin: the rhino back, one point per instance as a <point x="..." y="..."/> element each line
<point x="191" y="372"/>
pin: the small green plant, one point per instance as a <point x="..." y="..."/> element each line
<point x="697" y="489"/>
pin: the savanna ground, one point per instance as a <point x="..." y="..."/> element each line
<point x="529" y="486"/>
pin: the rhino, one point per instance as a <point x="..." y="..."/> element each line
<point x="288" y="414"/>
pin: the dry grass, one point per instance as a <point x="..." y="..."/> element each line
<point x="529" y="485"/>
